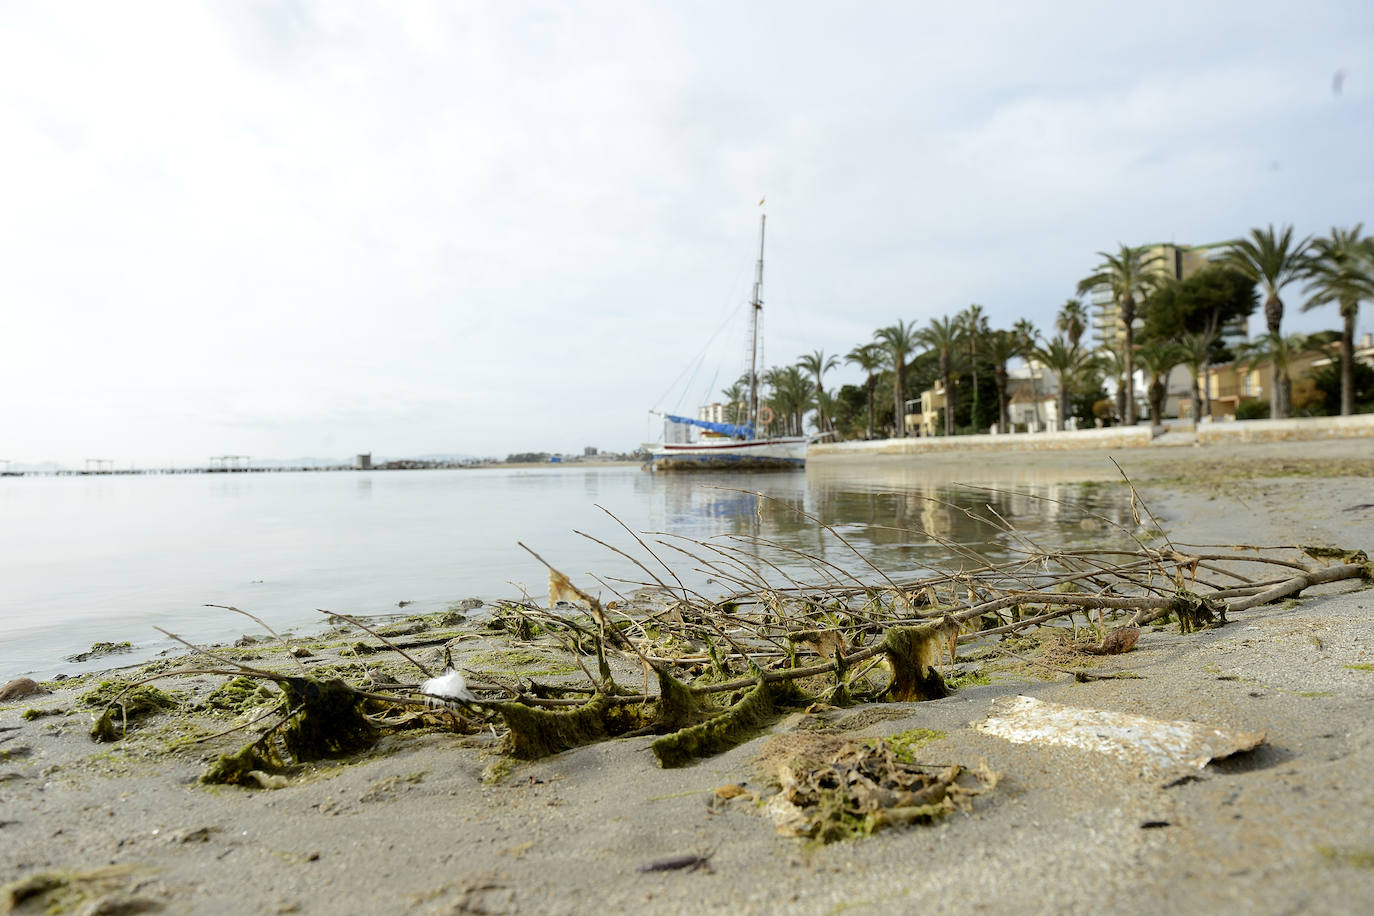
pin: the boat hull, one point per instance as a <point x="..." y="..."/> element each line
<point x="735" y="455"/>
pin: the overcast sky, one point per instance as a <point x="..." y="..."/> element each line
<point x="285" y="229"/>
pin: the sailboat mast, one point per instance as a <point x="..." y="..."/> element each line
<point x="754" y="334"/>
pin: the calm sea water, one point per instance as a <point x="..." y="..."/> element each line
<point x="87" y="559"/>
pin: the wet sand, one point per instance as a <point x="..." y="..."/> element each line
<point x="411" y="827"/>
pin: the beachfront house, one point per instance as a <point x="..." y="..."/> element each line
<point x="1234" y="383"/>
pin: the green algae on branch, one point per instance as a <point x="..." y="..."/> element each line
<point x="535" y="732"/>
<point x="911" y="654"/>
<point x="696" y="728"/>
<point x="759" y="707"/>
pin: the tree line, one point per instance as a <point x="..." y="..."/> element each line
<point x="1180" y="323"/>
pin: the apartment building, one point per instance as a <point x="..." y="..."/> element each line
<point x="1181" y="262"/>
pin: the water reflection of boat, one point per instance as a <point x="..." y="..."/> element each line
<point x="702" y="445"/>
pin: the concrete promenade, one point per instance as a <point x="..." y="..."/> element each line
<point x="1360" y="426"/>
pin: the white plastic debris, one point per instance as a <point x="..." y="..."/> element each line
<point x="448" y="687"/>
<point x="1159" y="748"/>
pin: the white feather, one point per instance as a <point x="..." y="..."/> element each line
<point x="448" y="687"/>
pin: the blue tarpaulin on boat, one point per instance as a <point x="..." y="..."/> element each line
<point x="742" y="431"/>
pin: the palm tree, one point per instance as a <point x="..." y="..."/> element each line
<point x="1003" y="346"/>
<point x="735" y="397"/>
<point x="974" y="325"/>
<point x="869" y="358"/>
<point x="1196" y="353"/>
<point x="818" y="364"/>
<point x="1126" y="274"/>
<point x="1110" y="362"/>
<point x="942" y="336"/>
<point x="793" y="396"/>
<point x="1158" y="358"/>
<point x="1072" y="321"/>
<point x="1340" y="269"/>
<point x="898" y="340"/>
<point x="1273" y="261"/>
<point x="1069" y="364"/>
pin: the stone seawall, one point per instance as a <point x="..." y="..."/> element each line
<point x="1303" y="428"/>
<point x="1111" y="438"/>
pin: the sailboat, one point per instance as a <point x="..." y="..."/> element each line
<point x="700" y="445"/>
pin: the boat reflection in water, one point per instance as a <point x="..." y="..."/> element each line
<point x="898" y="523"/>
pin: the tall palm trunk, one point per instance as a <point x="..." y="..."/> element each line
<point x="1197" y="402"/>
<point x="1206" y="390"/>
<point x="1349" y="311"/>
<point x="1280" y="385"/>
<point x="1128" y="357"/>
<point x="999" y="378"/>
<point x="947" y="375"/>
<point x="1285" y="397"/>
<point x="899" y="399"/>
<point x="870" y="385"/>
<point x="1213" y="329"/>
<point x="1155" y="396"/>
<point x="973" y="365"/>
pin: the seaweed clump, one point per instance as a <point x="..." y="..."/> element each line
<point x="329" y="721"/>
<point x="238" y="769"/>
<point x="835" y="790"/>
<point x="326" y="720"/>
<point x="131" y="702"/>
<point x="237" y="696"/>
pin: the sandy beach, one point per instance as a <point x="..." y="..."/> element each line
<point x="430" y="822"/>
